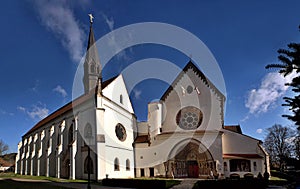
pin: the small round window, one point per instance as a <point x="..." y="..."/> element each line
<point x="189" y="89"/>
<point x="189" y="118"/>
<point x="120" y="132"/>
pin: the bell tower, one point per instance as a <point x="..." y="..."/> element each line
<point x="92" y="66"/>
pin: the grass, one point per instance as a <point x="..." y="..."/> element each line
<point x="12" y="184"/>
<point x="12" y="175"/>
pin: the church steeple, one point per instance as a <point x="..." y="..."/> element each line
<point x="92" y="66"/>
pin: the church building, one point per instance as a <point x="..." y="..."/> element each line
<point x="98" y="133"/>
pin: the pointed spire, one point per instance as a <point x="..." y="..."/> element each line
<point x="92" y="66"/>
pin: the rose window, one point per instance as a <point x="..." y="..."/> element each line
<point x="189" y="118"/>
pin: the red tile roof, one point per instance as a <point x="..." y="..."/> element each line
<point x="242" y="156"/>
<point x="142" y="139"/>
<point x="4" y="163"/>
<point x="234" y="128"/>
<point x="69" y="106"/>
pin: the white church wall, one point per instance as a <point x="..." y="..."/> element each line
<point x="201" y="97"/>
<point x="235" y="143"/>
<point x="155" y="118"/>
<point x="115" y="90"/>
<point x="142" y="128"/>
<point x="111" y="154"/>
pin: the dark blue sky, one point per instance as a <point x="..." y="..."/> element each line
<point x="38" y="60"/>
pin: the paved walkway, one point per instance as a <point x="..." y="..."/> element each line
<point x="185" y="184"/>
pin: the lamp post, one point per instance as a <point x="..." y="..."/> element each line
<point x="89" y="168"/>
<point x="88" y="135"/>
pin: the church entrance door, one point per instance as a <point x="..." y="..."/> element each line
<point x="193" y="169"/>
<point x="191" y="159"/>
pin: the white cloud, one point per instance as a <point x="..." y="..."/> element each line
<point x="271" y="89"/>
<point x="21" y="108"/>
<point x="3" y="112"/>
<point x="137" y="93"/>
<point x="58" y="17"/>
<point x="60" y="90"/>
<point x="113" y="43"/>
<point x="36" y="85"/>
<point x="259" y="131"/>
<point x="36" y="112"/>
<point x="245" y="118"/>
<point x="109" y="21"/>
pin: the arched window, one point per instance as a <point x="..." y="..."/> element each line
<point x="58" y="138"/>
<point x="87" y="167"/>
<point x="254" y="166"/>
<point x="88" y="131"/>
<point x="225" y="166"/>
<point x="121" y="99"/>
<point x="92" y="68"/>
<point x="127" y="165"/>
<point x="117" y="164"/>
<point x="71" y="134"/>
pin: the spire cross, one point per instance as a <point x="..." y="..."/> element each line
<point x="91" y="18"/>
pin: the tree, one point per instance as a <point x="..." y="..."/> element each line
<point x="279" y="144"/>
<point x="297" y="146"/>
<point x="3" y="147"/>
<point x="290" y="62"/>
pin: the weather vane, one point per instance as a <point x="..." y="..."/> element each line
<point x="91" y="18"/>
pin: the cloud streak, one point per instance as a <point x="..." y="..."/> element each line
<point x="38" y="111"/>
<point x="272" y="87"/>
<point x="59" y="18"/>
<point x="137" y="93"/>
<point x="113" y="43"/>
<point x="60" y="91"/>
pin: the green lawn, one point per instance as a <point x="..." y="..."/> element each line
<point x="12" y="184"/>
<point x="12" y="175"/>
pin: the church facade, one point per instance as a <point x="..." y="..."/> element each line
<point x="98" y="133"/>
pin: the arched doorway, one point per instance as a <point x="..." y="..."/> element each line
<point x="190" y="159"/>
<point x="66" y="169"/>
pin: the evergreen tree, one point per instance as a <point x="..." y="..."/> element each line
<point x="290" y="62"/>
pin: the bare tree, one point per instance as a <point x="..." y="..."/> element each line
<point x="3" y="147"/>
<point x="297" y="146"/>
<point x="279" y="144"/>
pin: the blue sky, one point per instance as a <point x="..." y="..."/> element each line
<point x="42" y="43"/>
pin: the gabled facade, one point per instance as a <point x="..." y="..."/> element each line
<point x="184" y="135"/>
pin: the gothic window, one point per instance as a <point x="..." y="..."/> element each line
<point x="254" y="166"/>
<point x="92" y="68"/>
<point x="121" y="99"/>
<point x="88" y="131"/>
<point x="87" y="167"/>
<point x="120" y="132"/>
<point x="225" y="166"/>
<point x="189" y="118"/>
<point x="71" y="134"/>
<point x="117" y="164"/>
<point x="58" y="138"/>
<point x="127" y="165"/>
<point x="48" y="143"/>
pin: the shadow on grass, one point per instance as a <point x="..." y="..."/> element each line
<point x="13" y="184"/>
